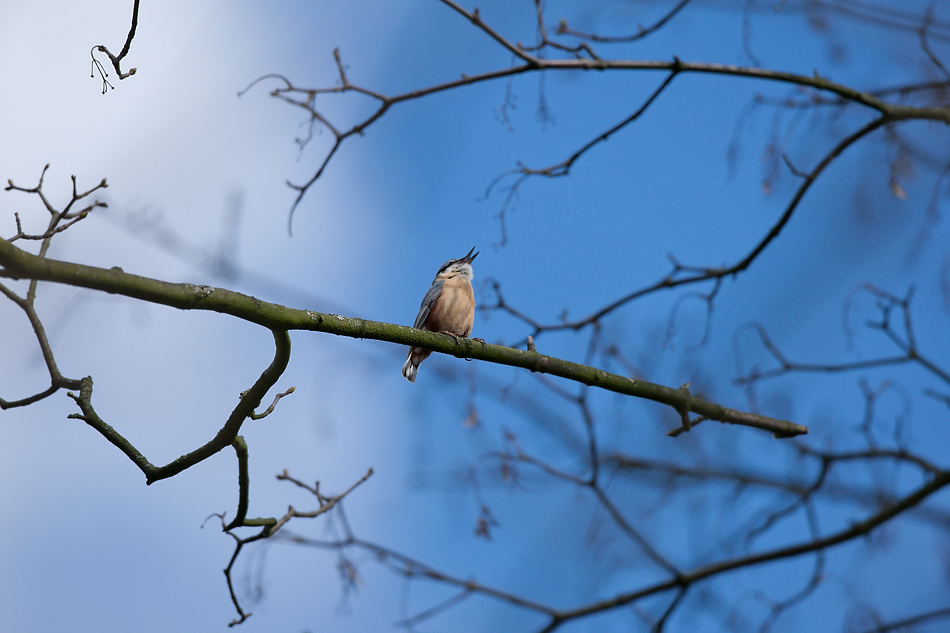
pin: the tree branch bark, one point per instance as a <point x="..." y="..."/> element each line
<point x="23" y="265"/>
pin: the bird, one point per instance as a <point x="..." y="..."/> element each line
<point x="448" y="307"/>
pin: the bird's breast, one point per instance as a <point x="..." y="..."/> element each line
<point x="454" y="310"/>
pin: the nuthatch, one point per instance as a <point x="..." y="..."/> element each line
<point x="448" y="307"/>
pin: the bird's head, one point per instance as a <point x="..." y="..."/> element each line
<point x="461" y="266"/>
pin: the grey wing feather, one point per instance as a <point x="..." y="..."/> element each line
<point x="434" y="291"/>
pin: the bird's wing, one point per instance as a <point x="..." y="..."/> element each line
<point x="434" y="291"/>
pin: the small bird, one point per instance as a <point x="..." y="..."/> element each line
<point x="448" y="307"/>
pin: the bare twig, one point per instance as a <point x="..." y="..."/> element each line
<point x="642" y="31"/>
<point x="271" y="526"/>
<point x="270" y="409"/>
<point x="530" y="60"/>
<point x="115" y="59"/>
<point x="27" y="303"/>
<point x="411" y="568"/>
<point x="921" y="618"/>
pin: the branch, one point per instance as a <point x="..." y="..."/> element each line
<point x="325" y="503"/>
<point x="536" y="63"/>
<point x="786" y="366"/>
<point x="515" y="49"/>
<point x="911" y="621"/>
<point x="856" y="530"/>
<point x="27" y="303"/>
<point x="226" y="436"/>
<point x="410" y="568"/>
<point x="563" y="168"/>
<point x="270" y="526"/>
<point x="270" y="409"/>
<point x="642" y="31"/>
<point x="115" y="59"/>
<point x="244" y="482"/>
<point x="685" y="275"/>
<point x="57" y="380"/>
<point x="20" y="264"/>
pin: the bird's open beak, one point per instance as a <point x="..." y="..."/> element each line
<point x="470" y="258"/>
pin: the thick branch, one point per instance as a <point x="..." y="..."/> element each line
<point x="20" y="264"/>
<point x="244" y="482"/>
<point x="227" y="435"/>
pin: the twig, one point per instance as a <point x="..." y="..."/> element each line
<point x="115" y="59"/>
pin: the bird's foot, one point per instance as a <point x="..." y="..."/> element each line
<point x="453" y="335"/>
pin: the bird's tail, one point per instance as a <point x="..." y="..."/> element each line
<point x="410" y="368"/>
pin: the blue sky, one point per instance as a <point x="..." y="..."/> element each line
<point x="89" y="547"/>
